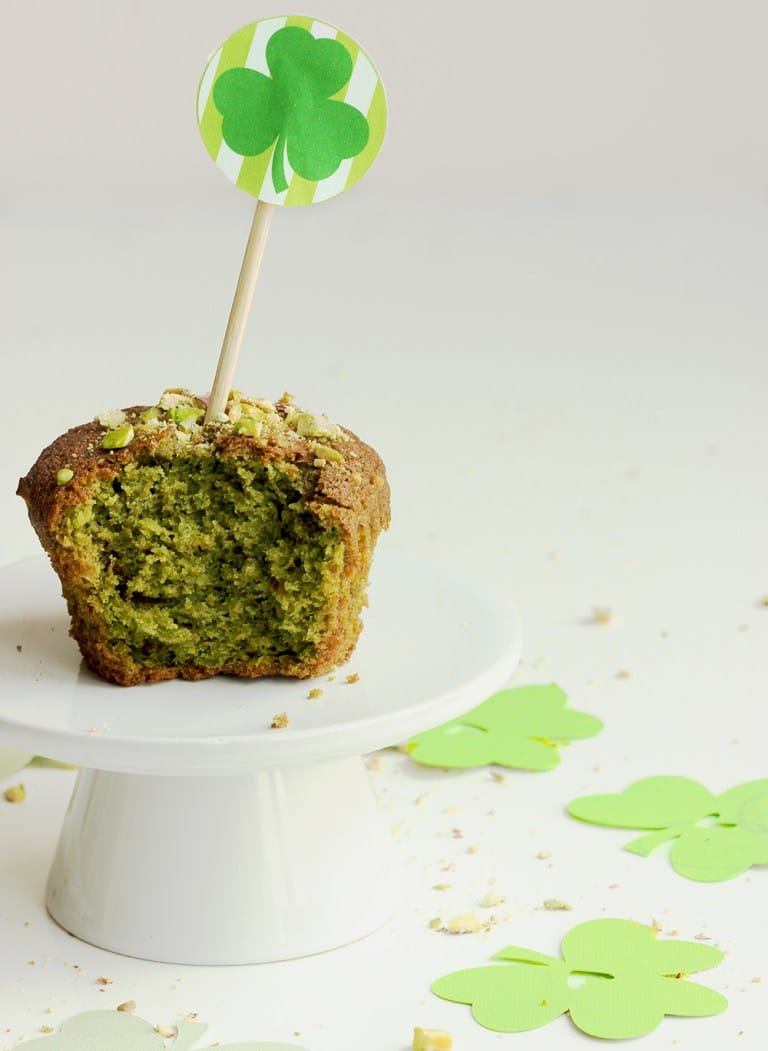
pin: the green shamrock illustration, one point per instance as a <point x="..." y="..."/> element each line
<point x="615" y="979"/>
<point x="118" y="1031"/>
<point x="734" y="838"/>
<point x="518" y="727"/>
<point x="293" y="108"/>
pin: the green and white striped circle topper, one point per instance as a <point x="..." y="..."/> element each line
<point x="292" y="110"/>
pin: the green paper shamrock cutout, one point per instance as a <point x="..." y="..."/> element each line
<point x="615" y="979"/>
<point x="734" y="839"/>
<point x="293" y="108"/>
<point x="118" y="1031"/>
<point x="517" y="727"/>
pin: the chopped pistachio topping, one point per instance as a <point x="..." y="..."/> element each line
<point x="175" y="396"/>
<point x="185" y="415"/>
<point x="264" y="404"/>
<point x="309" y="426"/>
<point x="325" y="452"/>
<point x="280" y="423"/>
<point x="153" y="413"/>
<point x="65" y="475"/>
<point x="118" y="438"/>
<point x="112" y="418"/>
<point x="250" y="426"/>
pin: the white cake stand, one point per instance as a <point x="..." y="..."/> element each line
<point x="197" y="834"/>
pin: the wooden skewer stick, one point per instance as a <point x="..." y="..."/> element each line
<point x="238" y="315"/>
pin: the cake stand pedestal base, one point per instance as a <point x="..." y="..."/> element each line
<point x="250" y="868"/>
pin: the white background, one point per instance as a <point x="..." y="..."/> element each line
<point x="545" y="306"/>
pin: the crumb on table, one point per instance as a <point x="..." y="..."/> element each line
<point x="556" y="905"/>
<point x="431" y="1040"/>
<point x="315" y="693"/>
<point x="15" y="794"/>
<point x="467" y="923"/>
<point x="279" y="721"/>
<point x="354" y="677"/>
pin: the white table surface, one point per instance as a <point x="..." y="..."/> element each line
<point x="570" y="395"/>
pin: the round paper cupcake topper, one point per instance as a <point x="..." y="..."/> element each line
<point x="292" y="110"/>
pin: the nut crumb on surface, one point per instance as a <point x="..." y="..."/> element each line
<point x="15" y="794"/>
<point x="314" y="693"/>
<point x="543" y="854"/>
<point x="601" y="614"/>
<point x="431" y="1040"/>
<point x="165" y="1031"/>
<point x="556" y="905"/>
<point x="490" y="900"/>
<point x="127" y="1007"/>
<point x="467" y="923"/>
<point x="279" y="721"/>
<point x="354" y="677"/>
<point x="103" y="981"/>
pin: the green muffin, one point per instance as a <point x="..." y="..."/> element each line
<point x="187" y="550"/>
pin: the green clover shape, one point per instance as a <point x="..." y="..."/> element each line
<point x="293" y="108"/>
<point x="615" y="979"/>
<point x="735" y="838"/>
<point x="516" y="728"/>
<point x="118" y="1031"/>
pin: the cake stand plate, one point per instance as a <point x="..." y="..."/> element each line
<point x="198" y="834"/>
